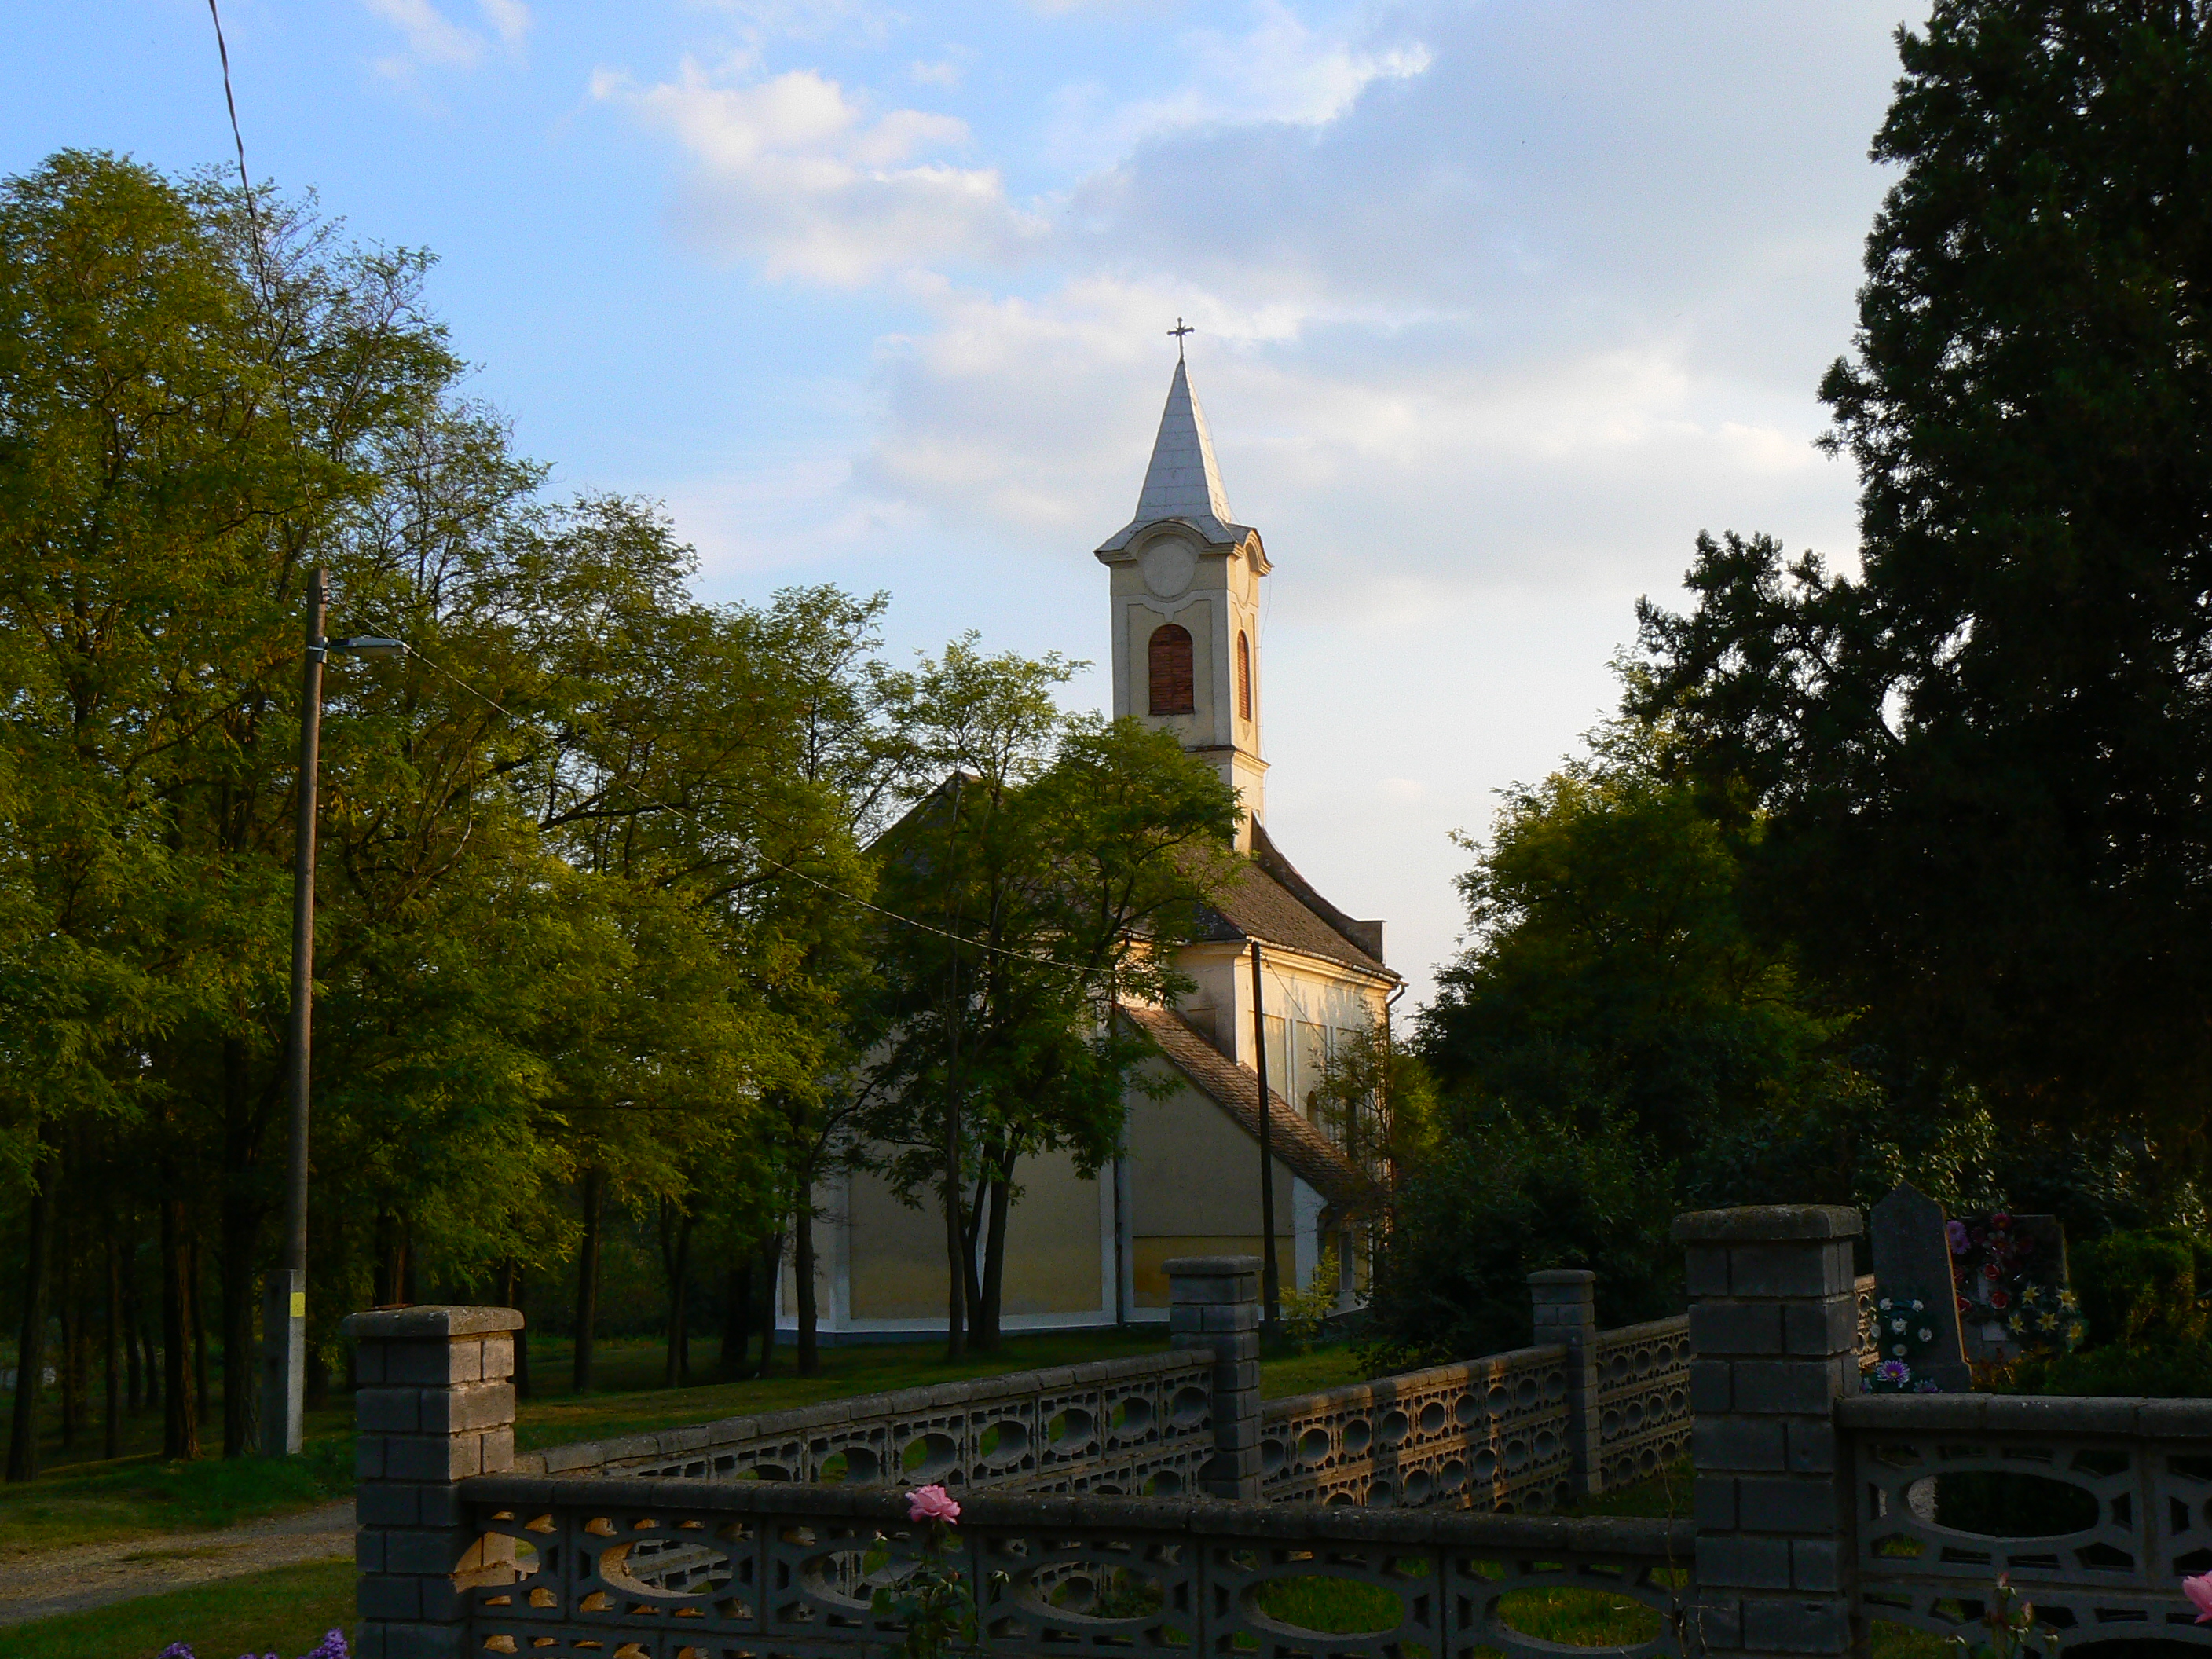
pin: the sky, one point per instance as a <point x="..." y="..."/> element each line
<point x="1497" y="304"/>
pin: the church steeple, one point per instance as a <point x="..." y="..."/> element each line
<point x="1184" y="480"/>
<point x="1185" y="590"/>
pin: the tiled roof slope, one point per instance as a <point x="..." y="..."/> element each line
<point x="1236" y="1088"/>
<point x="1269" y="900"/>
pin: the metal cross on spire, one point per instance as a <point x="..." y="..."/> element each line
<point x="1181" y="328"/>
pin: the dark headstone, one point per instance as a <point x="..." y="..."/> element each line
<point x="2015" y="1298"/>
<point x="1916" y="1305"/>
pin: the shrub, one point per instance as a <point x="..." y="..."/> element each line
<point x="1494" y="1199"/>
<point x="2139" y="1289"/>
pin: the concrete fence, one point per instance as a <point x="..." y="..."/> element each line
<point x="1814" y="1510"/>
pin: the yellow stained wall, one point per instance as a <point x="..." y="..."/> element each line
<point x="897" y="1253"/>
<point x="1195" y="1188"/>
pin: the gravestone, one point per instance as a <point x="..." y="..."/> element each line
<point x="1918" y="1339"/>
<point x="2015" y="1298"/>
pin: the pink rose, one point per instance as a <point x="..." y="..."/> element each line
<point x="2199" y="1592"/>
<point x="931" y="1504"/>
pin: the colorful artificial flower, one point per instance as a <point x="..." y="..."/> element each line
<point x="1956" y="1232"/>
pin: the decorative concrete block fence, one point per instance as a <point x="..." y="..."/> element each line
<point x="1816" y="1509"/>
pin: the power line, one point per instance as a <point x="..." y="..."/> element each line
<point x="238" y="138"/>
<point x="777" y="864"/>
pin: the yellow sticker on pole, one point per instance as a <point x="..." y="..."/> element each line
<point x="298" y="1305"/>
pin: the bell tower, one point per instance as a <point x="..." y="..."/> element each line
<point x="1184" y="582"/>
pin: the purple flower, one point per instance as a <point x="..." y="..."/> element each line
<point x="1956" y="1231"/>
<point x="1892" y="1371"/>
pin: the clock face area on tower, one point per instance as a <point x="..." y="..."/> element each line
<point x="1169" y="563"/>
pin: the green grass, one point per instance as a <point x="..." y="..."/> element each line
<point x="86" y="1501"/>
<point x="135" y="1496"/>
<point x="285" y="1611"/>
<point x="634" y="1402"/>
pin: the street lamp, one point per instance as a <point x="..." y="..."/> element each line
<point x="284" y="1297"/>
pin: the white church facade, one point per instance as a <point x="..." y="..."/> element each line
<point x="1183" y="587"/>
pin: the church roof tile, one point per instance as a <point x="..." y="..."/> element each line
<point x="1268" y="900"/>
<point x="1236" y="1088"/>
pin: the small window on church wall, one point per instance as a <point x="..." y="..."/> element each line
<point x="1169" y="652"/>
<point x="1243" y="676"/>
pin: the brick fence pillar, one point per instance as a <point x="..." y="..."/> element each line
<point x="1214" y="1304"/>
<point x="1773" y="1322"/>
<point x="435" y="1406"/>
<point x="1563" y="1301"/>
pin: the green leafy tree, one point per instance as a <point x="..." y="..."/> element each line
<point x="1056" y="870"/>
<point x="1986" y="756"/>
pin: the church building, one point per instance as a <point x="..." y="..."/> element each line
<point x="1184" y="608"/>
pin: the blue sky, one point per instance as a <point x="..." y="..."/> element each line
<point x="1498" y="304"/>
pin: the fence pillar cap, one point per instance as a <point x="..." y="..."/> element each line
<point x="1767" y="1222"/>
<point x="429" y="1323"/>
<point x="1213" y="1267"/>
<point x="1563" y="1276"/>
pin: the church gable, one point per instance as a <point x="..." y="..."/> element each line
<point x="1271" y="902"/>
<point x="1236" y="1089"/>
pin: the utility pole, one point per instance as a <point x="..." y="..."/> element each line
<point x="957" y="1313"/>
<point x="1271" y="1285"/>
<point x="284" y="1295"/>
<point x="284" y="1298"/>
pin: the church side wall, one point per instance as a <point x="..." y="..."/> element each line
<point x="1312" y="1006"/>
<point x="1195" y="1189"/>
<point x="883" y="1262"/>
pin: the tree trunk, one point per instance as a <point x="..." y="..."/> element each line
<point x="802" y="1273"/>
<point x="234" y="1265"/>
<point x="180" y="1434"/>
<point x="237" y="1252"/>
<point x="587" y="1279"/>
<point x="737" y="1318"/>
<point x="201" y="1406"/>
<point x="994" y="1254"/>
<point x="771" y="1268"/>
<point x="137" y="1355"/>
<point x="383" y="1271"/>
<point x="510" y="1295"/>
<point x="957" y="1260"/>
<point x="71" y="1317"/>
<point x="111" y="1437"/>
<point x="676" y="1265"/>
<point x="973" y="1218"/>
<point x="31" y="1344"/>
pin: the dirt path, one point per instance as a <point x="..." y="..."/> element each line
<point x="88" y="1575"/>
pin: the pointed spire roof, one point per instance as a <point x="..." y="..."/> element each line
<point x="1183" y="481"/>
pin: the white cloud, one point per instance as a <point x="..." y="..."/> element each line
<point x="510" y="19"/>
<point x="865" y="23"/>
<point x="435" y="41"/>
<point x="947" y="71"/>
<point x="793" y="173"/>
<point x="1280" y="69"/>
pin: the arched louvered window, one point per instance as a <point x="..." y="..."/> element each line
<point x="1243" y="676"/>
<point x="1169" y="652"/>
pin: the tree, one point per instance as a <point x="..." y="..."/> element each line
<point x="1988" y="754"/>
<point x="1054" y="871"/>
<point x="1612" y="967"/>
